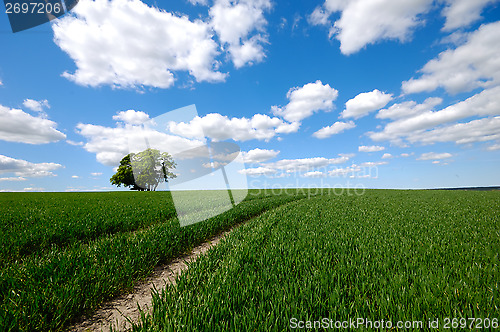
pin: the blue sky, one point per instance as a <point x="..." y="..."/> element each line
<point x="316" y="93"/>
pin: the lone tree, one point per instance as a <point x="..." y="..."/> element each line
<point x="145" y="170"/>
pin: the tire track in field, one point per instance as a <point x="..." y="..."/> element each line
<point x="117" y="312"/>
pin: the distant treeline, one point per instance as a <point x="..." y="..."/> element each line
<point x="471" y="188"/>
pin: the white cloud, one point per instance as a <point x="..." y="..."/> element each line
<point x="304" y="101"/>
<point x="111" y="144"/>
<point x="75" y="177"/>
<point x="258" y="171"/>
<point x="469" y="66"/>
<point x="493" y="147"/>
<point x="19" y="126"/>
<point x="434" y="156"/>
<point x="19" y="178"/>
<point x="259" y="155"/>
<point x="364" y="22"/>
<point x="364" y="103"/>
<point x="248" y="52"/>
<point x="220" y="127"/>
<point x="481" y="130"/>
<point x="306" y="164"/>
<point x="96" y="174"/>
<point x="419" y="128"/>
<point x="214" y="164"/>
<point x="131" y="117"/>
<point x="70" y="142"/>
<point x="352" y="170"/>
<point x="406" y="155"/>
<point x="373" y="148"/>
<point x="374" y="163"/>
<point x="240" y="26"/>
<point x="31" y="189"/>
<point x="408" y="109"/>
<point x="456" y="38"/>
<point x="319" y="17"/>
<point x="36" y="105"/>
<point x="462" y="13"/>
<point x="137" y="45"/>
<point x="314" y="174"/>
<point x="337" y="128"/>
<point x="199" y="2"/>
<point x="387" y="156"/>
<point x="23" y="168"/>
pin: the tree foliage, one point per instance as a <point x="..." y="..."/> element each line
<point x="144" y="170"/>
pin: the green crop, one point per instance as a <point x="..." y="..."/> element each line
<point x="109" y="241"/>
<point x="386" y="255"/>
<point x="36" y="222"/>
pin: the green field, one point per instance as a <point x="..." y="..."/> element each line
<point x="65" y="253"/>
<point x="391" y="255"/>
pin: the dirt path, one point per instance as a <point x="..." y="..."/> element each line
<point x="115" y="312"/>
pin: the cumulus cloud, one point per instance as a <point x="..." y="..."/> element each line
<point x="137" y="45"/>
<point x="467" y="67"/>
<point x="364" y="22"/>
<point x="408" y="109"/>
<point x="18" y="178"/>
<point x="111" y="144"/>
<point x="337" y="128"/>
<point x="462" y="13"/>
<point x="434" y="156"/>
<point x="373" y="148"/>
<point x="19" y="126"/>
<point x="220" y="127"/>
<point x="481" y="130"/>
<point x="36" y="105"/>
<point x="131" y="117"/>
<point x="387" y="156"/>
<point x="421" y="126"/>
<point x="22" y="168"/>
<point x="374" y="163"/>
<point x="314" y="174"/>
<point x="365" y="103"/>
<point x="306" y="164"/>
<point x="75" y="177"/>
<point x="240" y="26"/>
<point x="350" y="171"/>
<point x="259" y="155"/>
<point x="258" y="171"/>
<point x="304" y="101"/>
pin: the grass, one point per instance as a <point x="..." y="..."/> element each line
<point x="391" y="255"/>
<point x="81" y="249"/>
<point x="37" y="222"/>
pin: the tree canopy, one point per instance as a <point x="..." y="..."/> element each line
<point x="144" y="170"/>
